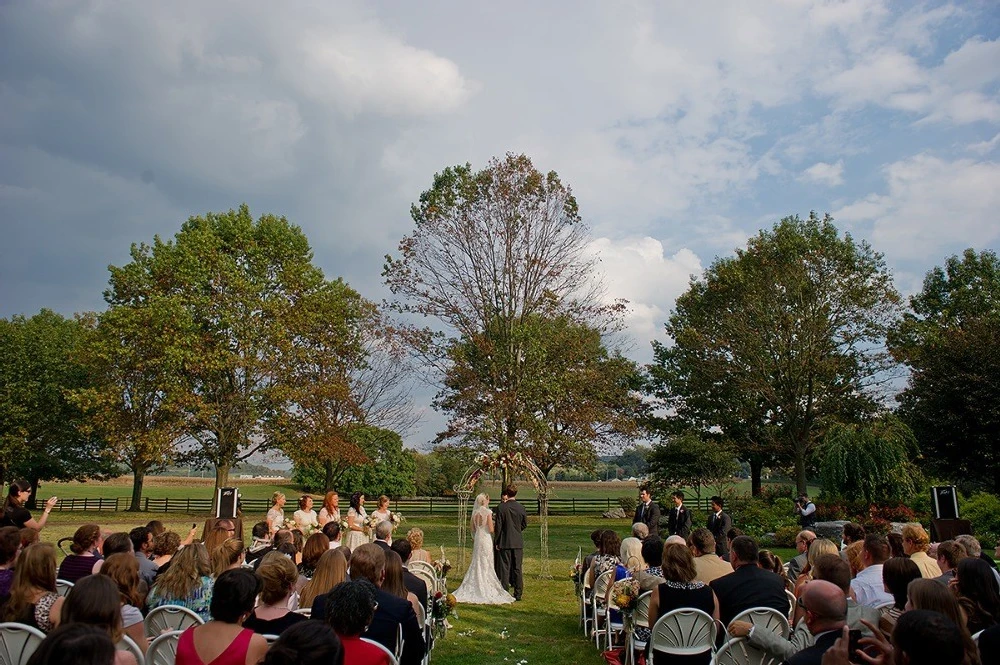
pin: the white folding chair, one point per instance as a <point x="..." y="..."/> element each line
<point x="765" y="618"/>
<point x="63" y="587"/>
<point x="398" y="653"/>
<point x="270" y="639"/>
<point x="586" y="617"/>
<point x="424" y="566"/>
<point x="739" y="652"/>
<point x="888" y="603"/>
<point x="304" y="611"/>
<point x="163" y="649"/>
<point x="791" y="605"/>
<point x="682" y="633"/>
<point x="611" y="627"/>
<point x="391" y="656"/>
<point x="18" y="642"/>
<point x="126" y="643"/>
<point x="167" y="618"/>
<point x="430" y="581"/>
<point x="641" y="620"/>
<point x="597" y="609"/>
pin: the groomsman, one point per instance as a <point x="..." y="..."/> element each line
<point x="679" y="519"/>
<point x="719" y="523"/>
<point x="648" y="513"/>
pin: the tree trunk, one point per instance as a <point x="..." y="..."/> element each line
<point x="32" y="503"/>
<point x="800" y="470"/>
<point x="756" y="468"/>
<point x="138" y="476"/>
<point x="327" y="476"/>
<point x="221" y="480"/>
<point x="3" y="476"/>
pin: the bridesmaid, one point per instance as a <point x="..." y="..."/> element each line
<point x="356" y="517"/>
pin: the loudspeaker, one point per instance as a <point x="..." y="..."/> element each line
<point x="944" y="502"/>
<point x="947" y="529"/>
<point x="226" y="503"/>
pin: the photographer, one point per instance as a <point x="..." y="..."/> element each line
<point x="806" y="511"/>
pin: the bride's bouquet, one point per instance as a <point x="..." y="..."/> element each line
<point x="443" y="605"/>
<point x="625" y="594"/>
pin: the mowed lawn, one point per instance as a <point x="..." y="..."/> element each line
<point x="543" y="628"/>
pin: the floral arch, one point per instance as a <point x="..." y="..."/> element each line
<point x="509" y="466"/>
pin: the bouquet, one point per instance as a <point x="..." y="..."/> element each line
<point x="396" y="520"/>
<point x="442" y="565"/>
<point x="576" y="573"/>
<point x="371" y="522"/>
<point x="443" y="605"/>
<point x="625" y="594"/>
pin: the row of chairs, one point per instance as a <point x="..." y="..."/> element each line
<point x="428" y="575"/>
<point x="681" y="632"/>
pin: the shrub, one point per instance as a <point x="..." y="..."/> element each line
<point x="757" y="516"/>
<point x="983" y="511"/>
<point x="785" y="536"/>
<point x="628" y="504"/>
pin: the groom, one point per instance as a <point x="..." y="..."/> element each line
<point x="511" y="520"/>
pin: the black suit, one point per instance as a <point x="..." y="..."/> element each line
<point x="511" y="520"/>
<point x="391" y="612"/>
<point x="720" y="526"/>
<point x="384" y="545"/>
<point x="679" y="521"/>
<point x="747" y="587"/>
<point x="814" y="655"/>
<point x="650" y="516"/>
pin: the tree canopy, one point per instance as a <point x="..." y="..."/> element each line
<point x="777" y="342"/>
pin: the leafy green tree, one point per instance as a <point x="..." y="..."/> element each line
<point x="43" y="433"/>
<point x="774" y="344"/>
<point x="133" y="401"/>
<point x="390" y="469"/>
<point x="493" y="253"/>
<point x="870" y="462"/>
<point x="439" y="471"/>
<point x="951" y="343"/>
<point x="688" y="460"/>
<point x="235" y="284"/>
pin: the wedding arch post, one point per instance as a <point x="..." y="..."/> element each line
<point x="510" y="465"/>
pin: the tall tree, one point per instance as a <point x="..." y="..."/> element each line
<point x="693" y="461"/>
<point x="491" y="251"/>
<point x="43" y="434"/>
<point x="951" y="343"/>
<point x="777" y="342"/>
<point x="871" y="461"/>
<point x="236" y="284"/>
<point x="133" y="402"/>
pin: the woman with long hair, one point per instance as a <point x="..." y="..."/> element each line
<point x="305" y="516"/>
<point x="95" y="601"/>
<point x="14" y="512"/>
<point x="330" y="512"/>
<point x="123" y="569"/>
<point x="382" y="512"/>
<point x="275" y="514"/>
<point x="393" y="582"/>
<point x="87" y="541"/>
<point x="187" y="582"/>
<point x="897" y="573"/>
<point x="610" y="549"/>
<point x="331" y="570"/>
<point x="33" y="598"/>
<point x="978" y="593"/>
<point x="317" y="545"/>
<point x="630" y="562"/>
<point x="681" y="590"/>
<point x="356" y="518"/>
<point x="768" y="560"/>
<point x="928" y="594"/>
<point x="480" y="584"/>
<point x="272" y="616"/>
<point x="223" y="640"/>
<point x="165" y="546"/>
<point x="230" y="554"/>
<point x="416" y="538"/>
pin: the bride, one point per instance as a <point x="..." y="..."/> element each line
<point x="480" y="586"/>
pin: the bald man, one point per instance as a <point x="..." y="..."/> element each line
<point x="826" y="614"/>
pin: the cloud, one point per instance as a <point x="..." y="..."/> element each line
<point x="823" y="173"/>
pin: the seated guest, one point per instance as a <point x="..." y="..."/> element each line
<point x="414" y="584"/>
<point x="682" y="591"/>
<point x="852" y="554"/>
<point x="768" y="560"/>
<point x="330" y="571"/>
<point x="368" y="563"/>
<point x="383" y="534"/>
<point x="307" y="643"/>
<point x="124" y="572"/>
<point x="825" y="608"/>
<point x="853" y="533"/>
<point x="33" y="598"/>
<point x="748" y="586"/>
<point x="868" y="587"/>
<point x="222" y="531"/>
<point x="228" y="555"/>
<point x="895" y="544"/>
<point x="921" y="637"/>
<point x="278" y="577"/>
<point x="651" y="576"/>
<point x="949" y="553"/>
<point x="142" y="547"/>
<point x="731" y="535"/>
<point x="87" y="541"/>
<point x="975" y="550"/>
<point x="165" y="546"/>
<point x="640" y="530"/>
<point x="314" y="548"/>
<point x="416" y="538"/>
<point x="94" y="600"/>
<point x="897" y="573"/>
<point x="114" y="543"/>
<point x="332" y="531"/>
<point x="989" y="645"/>
<point x="232" y="600"/>
<point x="707" y="563"/>
<point x="282" y="542"/>
<point x="978" y="593"/>
<point x="630" y="558"/>
<point x="10" y="547"/>
<point x="261" y="543"/>
<point x="393" y="582"/>
<point x="75" y="644"/>
<point x="352" y="609"/>
<point x="829" y="568"/>
<point x="923" y="594"/>
<point x="802" y="542"/>
<point x="188" y="582"/>
<point x="817" y="548"/>
<point x="607" y="559"/>
<point x="916" y="542"/>
<point x="595" y="536"/>
<point x="29" y="536"/>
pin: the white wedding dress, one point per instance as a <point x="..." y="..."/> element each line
<point x="480" y="586"/>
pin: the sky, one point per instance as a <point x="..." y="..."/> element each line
<point x="683" y="128"/>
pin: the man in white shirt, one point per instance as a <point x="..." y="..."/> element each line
<point x="868" y="587"/>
